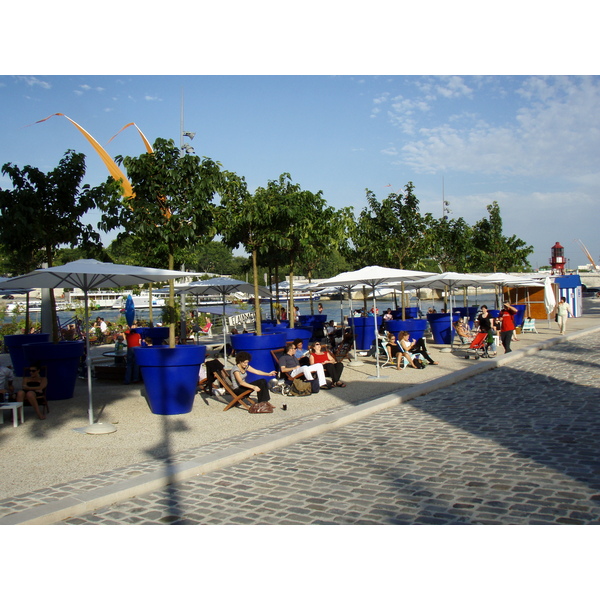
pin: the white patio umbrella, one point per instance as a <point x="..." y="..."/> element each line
<point x="549" y="298"/>
<point x="222" y="286"/>
<point x="452" y="281"/>
<point x="355" y="362"/>
<point x="374" y="277"/>
<point x="89" y="274"/>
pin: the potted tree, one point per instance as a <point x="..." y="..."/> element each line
<point x="171" y="210"/>
<point x="41" y="214"/>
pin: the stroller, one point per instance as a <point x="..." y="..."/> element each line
<point x="479" y="346"/>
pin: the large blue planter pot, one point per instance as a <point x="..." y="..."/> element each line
<point x="520" y="316"/>
<point x="410" y="312"/>
<point x="440" y="327"/>
<point x="170" y="377"/>
<point x="416" y="327"/>
<point x="15" y="343"/>
<point x="62" y="365"/>
<point x="259" y="347"/>
<point x="158" y="335"/>
<point x="364" y="330"/>
<point x="292" y="333"/>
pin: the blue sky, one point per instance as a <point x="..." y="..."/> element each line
<point x="529" y="142"/>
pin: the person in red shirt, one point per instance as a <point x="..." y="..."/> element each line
<point x="132" y="370"/>
<point x="507" y="325"/>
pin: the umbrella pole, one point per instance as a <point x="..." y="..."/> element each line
<point x="224" y="335"/>
<point x="354" y="362"/>
<point x="378" y="376"/>
<point x="93" y="428"/>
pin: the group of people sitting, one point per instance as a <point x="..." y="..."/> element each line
<point x="407" y="348"/>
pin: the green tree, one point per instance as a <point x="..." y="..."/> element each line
<point x="43" y="213"/>
<point x="494" y="251"/>
<point x="450" y="244"/>
<point x="391" y="233"/>
<point x="249" y="220"/>
<point x="172" y="208"/>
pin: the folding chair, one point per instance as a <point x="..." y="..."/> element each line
<point x="224" y="380"/>
<point x="528" y="326"/>
<point x="287" y="377"/>
<point x="384" y="351"/>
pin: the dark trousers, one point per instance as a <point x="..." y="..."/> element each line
<point x="334" y="371"/>
<point x="506" y="338"/>
<point x="262" y="394"/>
<point x="421" y="348"/>
<point x="212" y="367"/>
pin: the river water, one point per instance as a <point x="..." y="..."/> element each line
<point x="331" y="308"/>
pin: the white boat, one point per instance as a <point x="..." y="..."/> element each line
<point x="96" y="300"/>
<point x="140" y="302"/>
<point x="35" y="306"/>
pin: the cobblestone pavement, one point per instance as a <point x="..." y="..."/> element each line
<point x="515" y="445"/>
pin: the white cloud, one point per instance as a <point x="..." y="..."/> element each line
<point x="152" y="98"/>
<point x="556" y="130"/>
<point x="34" y="81"/>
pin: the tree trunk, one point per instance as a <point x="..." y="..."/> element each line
<point x="256" y="297"/>
<point x="172" y="304"/>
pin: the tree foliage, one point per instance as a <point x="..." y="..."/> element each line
<point x="494" y="251"/>
<point x="390" y="233"/>
<point x="172" y="209"/>
<point x="43" y="212"/>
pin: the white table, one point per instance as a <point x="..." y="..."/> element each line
<point x="16" y="407"/>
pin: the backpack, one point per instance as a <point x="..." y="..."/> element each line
<point x="300" y="388"/>
<point x="314" y="386"/>
<point x="418" y="363"/>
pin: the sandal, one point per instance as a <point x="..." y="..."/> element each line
<point x="340" y="384"/>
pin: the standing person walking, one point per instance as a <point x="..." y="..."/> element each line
<point x="563" y="312"/>
<point x="507" y="325"/>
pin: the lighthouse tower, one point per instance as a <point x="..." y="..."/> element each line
<point x="557" y="260"/>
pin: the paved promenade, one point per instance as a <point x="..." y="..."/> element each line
<point x="516" y="444"/>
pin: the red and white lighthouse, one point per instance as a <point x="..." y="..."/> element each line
<point x="557" y="260"/>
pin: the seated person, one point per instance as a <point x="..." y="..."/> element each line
<point x="33" y="389"/>
<point x="393" y="348"/>
<point x="333" y="332"/>
<point x="462" y="331"/>
<point x="290" y="367"/>
<point x="407" y="349"/>
<point x="320" y="355"/>
<point x="120" y="347"/>
<point x="301" y="354"/>
<point x="240" y="372"/>
<point x="387" y="316"/>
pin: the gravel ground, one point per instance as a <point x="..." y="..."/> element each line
<point x="53" y="451"/>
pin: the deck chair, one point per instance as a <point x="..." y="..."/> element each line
<point x="241" y="399"/>
<point x="287" y="377"/>
<point x="384" y="352"/>
<point x="528" y="326"/>
<point x="341" y="351"/>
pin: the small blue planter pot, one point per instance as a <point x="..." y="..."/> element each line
<point x="15" y="343"/>
<point x="416" y="327"/>
<point x="62" y="365"/>
<point x="440" y="327"/>
<point x="364" y="330"/>
<point x="170" y="377"/>
<point x="158" y="335"/>
<point x="410" y="312"/>
<point x="259" y="347"/>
